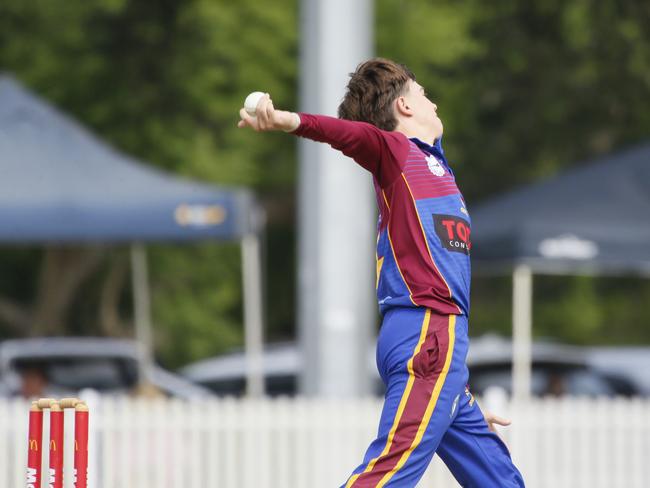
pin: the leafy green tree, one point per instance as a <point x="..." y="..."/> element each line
<point x="163" y="81"/>
<point x="525" y="89"/>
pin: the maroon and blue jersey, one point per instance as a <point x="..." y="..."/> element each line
<point x="423" y="281"/>
<point x="423" y="233"/>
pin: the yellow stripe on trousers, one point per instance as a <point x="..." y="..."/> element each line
<point x="430" y="407"/>
<point x="402" y="403"/>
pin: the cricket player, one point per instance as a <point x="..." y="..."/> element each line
<point x="388" y="126"/>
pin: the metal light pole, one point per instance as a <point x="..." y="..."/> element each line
<point x="336" y="306"/>
<point x="522" y="325"/>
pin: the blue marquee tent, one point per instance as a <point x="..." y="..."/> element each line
<point x="594" y="219"/>
<point x="61" y="184"/>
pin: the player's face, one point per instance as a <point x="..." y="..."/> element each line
<point x="424" y="110"/>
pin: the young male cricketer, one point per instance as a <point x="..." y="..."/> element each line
<point x="389" y="126"/>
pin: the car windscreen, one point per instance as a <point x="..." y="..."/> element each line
<point x="275" y="385"/>
<point x="545" y="380"/>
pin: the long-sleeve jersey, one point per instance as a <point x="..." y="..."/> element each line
<point x="423" y="233"/>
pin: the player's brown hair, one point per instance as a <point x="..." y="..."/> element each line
<point x="371" y="91"/>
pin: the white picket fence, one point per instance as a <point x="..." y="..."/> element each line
<point x="298" y="443"/>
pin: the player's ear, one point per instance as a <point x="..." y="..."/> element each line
<point x="402" y="106"/>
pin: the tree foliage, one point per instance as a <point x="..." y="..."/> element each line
<point x="525" y="89"/>
<point x="162" y="80"/>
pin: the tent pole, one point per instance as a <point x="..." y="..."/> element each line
<point x="142" y="312"/>
<point x="522" y="303"/>
<point x="253" y="318"/>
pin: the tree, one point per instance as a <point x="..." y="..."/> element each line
<point x="524" y="89"/>
<point x="161" y="80"/>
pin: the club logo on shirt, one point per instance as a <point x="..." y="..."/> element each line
<point x="469" y="394"/>
<point x="453" y="232"/>
<point x="434" y="166"/>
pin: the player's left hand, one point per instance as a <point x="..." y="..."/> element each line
<point x="494" y="420"/>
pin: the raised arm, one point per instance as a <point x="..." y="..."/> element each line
<point x="378" y="151"/>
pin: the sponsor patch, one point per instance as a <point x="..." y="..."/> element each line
<point x="454" y="233"/>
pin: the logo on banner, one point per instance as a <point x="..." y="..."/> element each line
<point x="568" y="246"/>
<point x="199" y="215"/>
<point x="453" y="232"/>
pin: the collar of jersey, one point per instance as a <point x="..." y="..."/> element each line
<point x="436" y="149"/>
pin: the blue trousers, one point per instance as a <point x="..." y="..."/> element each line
<point x="429" y="409"/>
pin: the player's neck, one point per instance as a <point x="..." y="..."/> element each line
<point x="412" y="130"/>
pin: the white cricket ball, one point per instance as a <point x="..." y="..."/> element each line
<point x="250" y="104"/>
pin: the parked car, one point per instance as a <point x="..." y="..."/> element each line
<point x="63" y="366"/>
<point x="623" y="364"/>
<point x="225" y="374"/>
<point x="557" y="370"/>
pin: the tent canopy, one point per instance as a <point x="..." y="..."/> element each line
<point x="59" y="183"/>
<point x="593" y="219"/>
